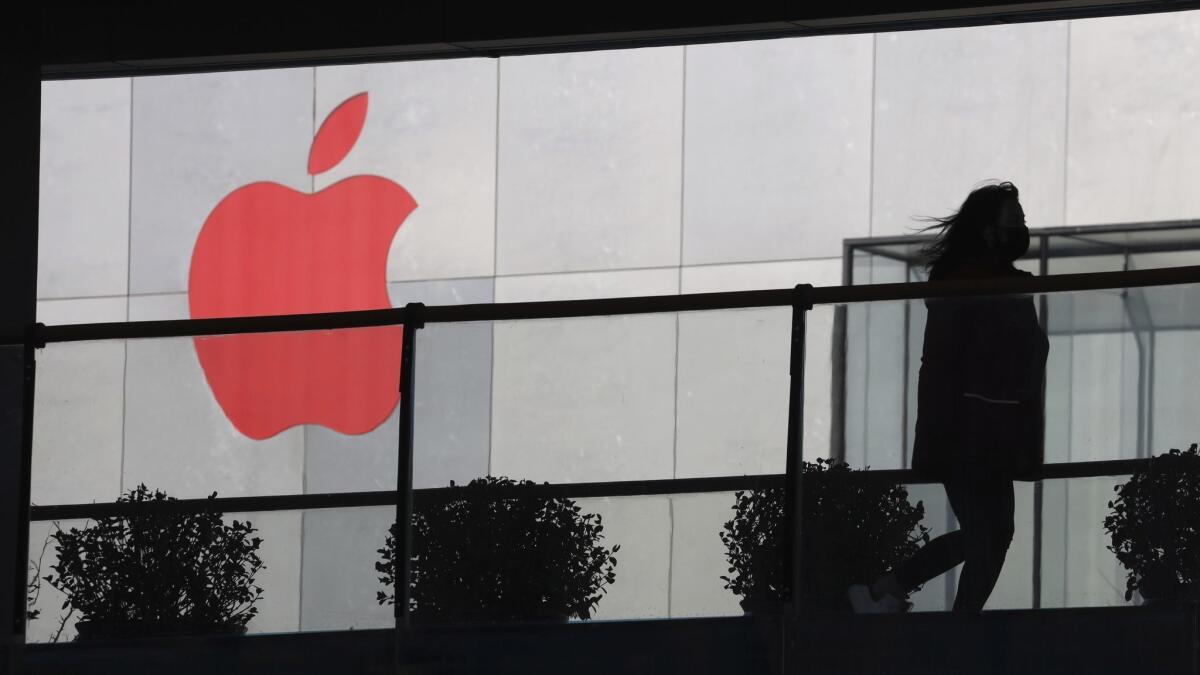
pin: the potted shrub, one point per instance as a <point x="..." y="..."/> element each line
<point x="1154" y="524"/>
<point x="852" y="529"/>
<point x="158" y="574"/>
<point x="497" y="550"/>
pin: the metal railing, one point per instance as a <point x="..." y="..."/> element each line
<point x="40" y="335"/>
<point x="416" y="315"/>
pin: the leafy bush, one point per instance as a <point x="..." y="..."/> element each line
<point x="1155" y="525"/>
<point x="187" y="570"/>
<point x="853" y="530"/>
<point x="33" y="590"/>
<point x="33" y="593"/>
<point x="496" y="550"/>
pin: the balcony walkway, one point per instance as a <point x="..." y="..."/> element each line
<point x="1091" y="641"/>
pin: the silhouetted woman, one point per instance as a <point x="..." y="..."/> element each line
<point x="979" y="403"/>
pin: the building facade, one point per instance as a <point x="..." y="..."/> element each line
<point x="637" y="172"/>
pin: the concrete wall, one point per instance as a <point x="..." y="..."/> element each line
<point x="645" y="171"/>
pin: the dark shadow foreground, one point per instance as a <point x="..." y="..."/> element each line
<point x="1097" y="640"/>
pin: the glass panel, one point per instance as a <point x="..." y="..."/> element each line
<point x="879" y="382"/>
<point x="935" y="595"/>
<point x="1178" y="258"/>
<point x="1087" y="257"/>
<point x="1014" y="588"/>
<point x="607" y="398"/>
<point x="1120" y="367"/>
<point x="584" y="400"/>
<point x="1134" y="247"/>
<point x="698" y="394"/>
<point x="822" y="353"/>
<point x="337" y="579"/>
<point x="452" y="404"/>
<point x="47" y="620"/>
<point x="643" y="527"/>
<point x="699" y="558"/>
<point x="732" y="398"/>
<point x="274" y="413"/>
<point x="1078" y="570"/>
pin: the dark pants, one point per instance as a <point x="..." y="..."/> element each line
<point x="983" y="504"/>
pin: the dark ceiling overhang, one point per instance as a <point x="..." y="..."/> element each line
<point x="117" y="39"/>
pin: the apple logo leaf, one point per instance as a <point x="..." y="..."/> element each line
<point x="338" y="134"/>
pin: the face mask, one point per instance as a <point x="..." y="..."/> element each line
<point x="1007" y="238"/>
<point x="1007" y="242"/>
<point x="1013" y="242"/>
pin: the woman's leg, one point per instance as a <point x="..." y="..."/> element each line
<point x="939" y="556"/>
<point x="984" y="507"/>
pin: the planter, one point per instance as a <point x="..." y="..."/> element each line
<point x="549" y="616"/>
<point x="478" y="616"/>
<point x="759" y="607"/>
<point x="1168" y="593"/>
<point x="120" y="630"/>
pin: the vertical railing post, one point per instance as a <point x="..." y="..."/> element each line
<point x="17" y="487"/>
<point x="33" y="342"/>
<point x="414" y="320"/>
<point x="837" y="406"/>
<point x="801" y="304"/>
<point x="20" y="79"/>
<point x="1039" y="499"/>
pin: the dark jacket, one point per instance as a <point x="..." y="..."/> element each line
<point x="979" y="392"/>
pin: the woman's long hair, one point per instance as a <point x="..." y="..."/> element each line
<point x="962" y="236"/>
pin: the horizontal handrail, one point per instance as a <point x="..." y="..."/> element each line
<point x="668" y="486"/>
<point x="559" y="309"/>
<point x="298" y="502"/>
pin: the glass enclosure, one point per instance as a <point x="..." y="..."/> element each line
<point x="1118" y="358"/>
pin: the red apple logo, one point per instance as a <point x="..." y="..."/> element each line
<point x="268" y="249"/>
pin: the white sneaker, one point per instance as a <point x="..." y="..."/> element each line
<point x="863" y="603"/>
